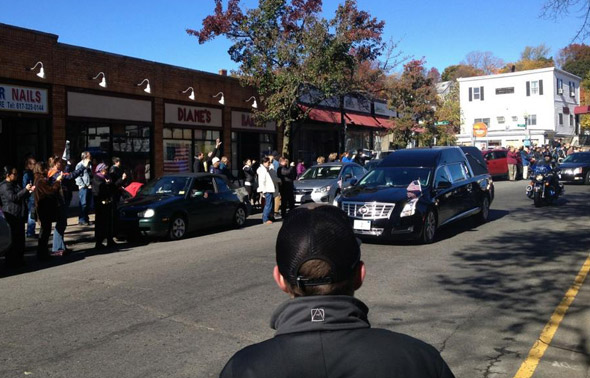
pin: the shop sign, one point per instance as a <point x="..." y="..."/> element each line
<point x="245" y="121"/>
<point x="382" y="109"/>
<point x="23" y="99"/>
<point x="358" y="104"/>
<point x="192" y="115"/>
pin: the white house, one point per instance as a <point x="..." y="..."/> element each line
<point x="519" y="107"/>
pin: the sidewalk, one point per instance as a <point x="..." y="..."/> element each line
<point x="76" y="237"/>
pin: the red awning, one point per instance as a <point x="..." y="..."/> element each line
<point x="362" y="120"/>
<point x="386" y="122"/>
<point x="322" y="115"/>
<point x="582" y="109"/>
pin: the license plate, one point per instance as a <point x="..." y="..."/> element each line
<point x="362" y="225"/>
<point x="298" y="197"/>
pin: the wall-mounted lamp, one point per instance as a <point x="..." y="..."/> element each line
<point x="222" y="100"/>
<point x="41" y="73"/>
<point x="103" y="82"/>
<point x="147" y="88"/>
<point x="254" y="104"/>
<point x="192" y="95"/>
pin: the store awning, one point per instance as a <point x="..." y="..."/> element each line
<point x="322" y="115"/>
<point x="386" y="122"/>
<point x="331" y="116"/>
<point x="362" y="120"/>
<point x="582" y="109"/>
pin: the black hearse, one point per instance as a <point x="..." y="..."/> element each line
<point x="415" y="191"/>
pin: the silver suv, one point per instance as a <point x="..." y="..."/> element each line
<point x="323" y="182"/>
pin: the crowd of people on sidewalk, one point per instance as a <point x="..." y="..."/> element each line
<point x="521" y="160"/>
<point x="42" y="196"/>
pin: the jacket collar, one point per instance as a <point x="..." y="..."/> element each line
<point x="320" y="313"/>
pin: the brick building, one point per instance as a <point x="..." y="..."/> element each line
<point x="51" y="92"/>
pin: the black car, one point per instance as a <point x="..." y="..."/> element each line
<point x="576" y="168"/>
<point x="173" y="205"/>
<point x="415" y="191"/>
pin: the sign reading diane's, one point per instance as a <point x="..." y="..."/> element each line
<point x="245" y="121"/>
<point x="192" y="115"/>
<point x="23" y="99"/>
<point x="480" y="130"/>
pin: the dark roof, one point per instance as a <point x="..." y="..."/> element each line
<point x="423" y="157"/>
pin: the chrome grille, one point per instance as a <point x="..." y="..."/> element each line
<point x="368" y="210"/>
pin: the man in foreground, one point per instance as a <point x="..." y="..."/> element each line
<point x="323" y="330"/>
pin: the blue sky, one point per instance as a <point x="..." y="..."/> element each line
<point x="442" y="32"/>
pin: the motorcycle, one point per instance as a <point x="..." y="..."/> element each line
<point x="544" y="187"/>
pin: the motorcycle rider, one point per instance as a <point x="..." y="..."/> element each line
<point x="549" y="163"/>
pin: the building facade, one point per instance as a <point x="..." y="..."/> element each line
<point x="154" y="116"/>
<point x="519" y="108"/>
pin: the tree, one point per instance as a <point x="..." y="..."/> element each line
<point x="531" y="58"/>
<point x="285" y="46"/>
<point x="434" y="75"/>
<point x="413" y="95"/>
<point x="575" y="58"/>
<point x="484" y="61"/>
<point x="460" y="70"/>
<point x="450" y="111"/>
<point x="555" y="9"/>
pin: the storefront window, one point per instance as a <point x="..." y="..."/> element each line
<point x="130" y="143"/>
<point x="356" y="140"/>
<point x="181" y="144"/>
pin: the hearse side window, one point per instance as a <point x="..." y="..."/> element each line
<point x="457" y="171"/>
<point x="441" y="176"/>
<point x="358" y="172"/>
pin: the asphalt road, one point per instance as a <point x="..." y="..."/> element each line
<point x="482" y="295"/>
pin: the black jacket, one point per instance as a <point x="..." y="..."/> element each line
<point x="12" y="199"/>
<point x="249" y="174"/>
<point x="321" y="336"/>
<point x="287" y="174"/>
<point x="104" y="192"/>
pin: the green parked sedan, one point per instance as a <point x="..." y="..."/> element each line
<point x="174" y="205"/>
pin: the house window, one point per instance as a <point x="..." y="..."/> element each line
<point x="531" y="120"/>
<point x="476" y="93"/>
<point x="560" y="119"/>
<point x="571" y="119"/>
<point x="484" y="120"/>
<point x="559" y="86"/>
<point x="534" y="87"/>
<point x="572" y="89"/>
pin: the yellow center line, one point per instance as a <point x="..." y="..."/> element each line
<point x="529" y="365"/>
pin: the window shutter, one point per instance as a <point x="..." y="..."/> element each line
<point x="541" y="87"/>
<point x="470" y="93"/>
<point x="528" y="88"/>
<point x="481" y="93"/>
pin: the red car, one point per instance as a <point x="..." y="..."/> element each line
<point x="497" y="161"/>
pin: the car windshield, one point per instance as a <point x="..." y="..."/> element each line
<point x="397" y="177"/>
<point x="577" y="158"/>
<point x="168" y="185"/>
<point x="320" y="172"/>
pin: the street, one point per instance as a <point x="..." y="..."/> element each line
<point x="481" y="294"/>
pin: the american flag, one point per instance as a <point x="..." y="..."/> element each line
<point x="177" y="158"/>
<point x="414" y="189"/>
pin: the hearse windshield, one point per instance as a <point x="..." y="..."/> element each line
<point x="397" y="177"/>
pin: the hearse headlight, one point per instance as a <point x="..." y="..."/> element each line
<point x="539" y="177"/>
<point x="323" y="189"/>
<point x="409" y="208"/>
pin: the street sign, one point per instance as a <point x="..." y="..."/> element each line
<point x="521" y="125"/>
<point x="480" y="130"/>
<point x="441" y="123"/>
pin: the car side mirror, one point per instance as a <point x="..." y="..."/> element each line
<point x="443" y="185"/>
<point x="348" y="176"/>
<point x="353" y="182"/>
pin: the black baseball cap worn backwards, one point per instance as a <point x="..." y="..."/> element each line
<point x="312" y="232"/>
